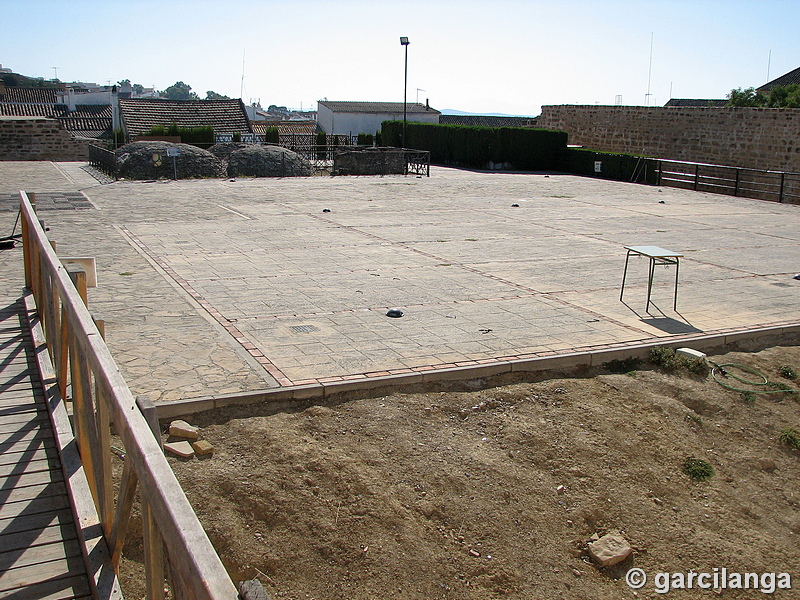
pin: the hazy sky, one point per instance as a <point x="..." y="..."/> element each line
<point x="502" y="56"/>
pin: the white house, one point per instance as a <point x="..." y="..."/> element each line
<point x="352" y="118"/>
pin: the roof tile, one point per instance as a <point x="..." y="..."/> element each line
<point x="225" y="116"/>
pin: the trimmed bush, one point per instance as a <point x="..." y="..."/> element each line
<point x="202" y="137"/>
<point x="620" y="167"/>
<point x="365" y="139"/>
<point x="481" y="147"/>
<point x="271" y="135"/>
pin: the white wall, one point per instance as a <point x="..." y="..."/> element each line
<point x="355" y="123"/>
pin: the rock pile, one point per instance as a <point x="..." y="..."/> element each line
<point x="184" y="441"/>
<point x="266" y="161"/>
<point x="153" y="160"/>
<point x="150" y="160"/>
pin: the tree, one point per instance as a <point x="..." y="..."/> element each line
<point x="781" y="96"/>
<point x="137" y="88"/>
<point x="748" y="97"/>
<point x="210" y="95"/>
<point x="784" y="96"/>
<point x="179" y="91"/>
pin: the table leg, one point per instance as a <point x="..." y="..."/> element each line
<point x="675" y="296"/>
<point x="650" y="283"/>
<point x="624" y="274"/>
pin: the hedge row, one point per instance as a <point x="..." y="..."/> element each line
<point x="480" y="147"/>
<point x="620" y="167"/>
<point x="202" y="136"/>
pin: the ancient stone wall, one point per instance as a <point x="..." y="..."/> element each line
<point x="369" y="161"/>
<point x="39" y="138"/>
<point x="756" y="138"/>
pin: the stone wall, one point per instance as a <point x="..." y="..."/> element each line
<point x="369" y="161"/>
<point x="756" y="138"/>
<point x="39" y="138"/>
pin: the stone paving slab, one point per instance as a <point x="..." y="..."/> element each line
<point x="223" y="287"/>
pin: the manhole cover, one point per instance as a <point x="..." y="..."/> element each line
<point x="304" y="328"/>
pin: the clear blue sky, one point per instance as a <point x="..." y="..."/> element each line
<point x="502" y="56"/>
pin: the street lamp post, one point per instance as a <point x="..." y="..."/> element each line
<point x="404" y="42"/>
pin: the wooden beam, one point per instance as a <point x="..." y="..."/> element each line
<point x="188" y="546"/>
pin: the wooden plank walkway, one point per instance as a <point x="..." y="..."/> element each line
<point x="40" y="555"/>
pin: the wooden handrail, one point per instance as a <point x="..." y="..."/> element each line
<point x="100" y="394"/>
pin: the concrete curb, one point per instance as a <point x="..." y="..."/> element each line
<point x="290" y="395"/>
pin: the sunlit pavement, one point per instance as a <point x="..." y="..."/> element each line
<point x="221" y="287"/>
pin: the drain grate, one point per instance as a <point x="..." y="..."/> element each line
<point x="304" y="328"/>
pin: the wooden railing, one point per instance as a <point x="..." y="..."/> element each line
<point x="87" y="372"/>
<point x="778" y="186"/>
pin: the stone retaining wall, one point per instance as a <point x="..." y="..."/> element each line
<point x="40" y="138"/>
<point x="755" y="138"/>
<point x="369" y="161"/>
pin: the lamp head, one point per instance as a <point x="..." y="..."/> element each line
<point x="404" y="41"/>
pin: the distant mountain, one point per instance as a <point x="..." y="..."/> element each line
<point x="452" y="111"/>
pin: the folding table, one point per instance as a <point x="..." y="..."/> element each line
<point x="657" y="256"/>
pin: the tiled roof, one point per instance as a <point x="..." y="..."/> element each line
<point x="83" y="126"/>
<point x="376" y="107"/>
<point x="30" y="95"/>
<point x="9" y="109"/>
<point x="225" y="116"/>
<point x="690" y="102"/>
<point x="487" y="121"/>
<point x="787" y="79"/>
<point x="286" y="127"/>
<point x="91" y="111"/>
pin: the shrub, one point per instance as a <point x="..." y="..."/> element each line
<point x="698" y="469"/>
<point x="788" y="372"/>
<point x="790" y="437"/>
<point x="365" y="139"/>
<point x="622" y="365"/>
<point x="197" y="136"/>
<point x="477" y="147"/>
<point x="620" y="167"/>
<point x="321" y="144"/>
<point x="271" y="135"/>
<point x="672" y="362"/>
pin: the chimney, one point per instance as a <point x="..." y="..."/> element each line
<point x="427" y="106"/>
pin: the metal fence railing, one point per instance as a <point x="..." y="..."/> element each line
<point x="103" y="160"/>
<point x="418" y="162"/>
<point x="777" y="186"/>
<point x="86" y="375"/>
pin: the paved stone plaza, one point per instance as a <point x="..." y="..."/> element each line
<point x="228" y="286"/>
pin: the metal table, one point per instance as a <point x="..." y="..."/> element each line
<point x="657" y="256"/>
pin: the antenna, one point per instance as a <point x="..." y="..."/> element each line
<point x="769" y="60"/>
<point x="418" y="91"/>
<point x="241" y="89"/>
<point x="649" y="73"/>
<point x="55" y="70"/>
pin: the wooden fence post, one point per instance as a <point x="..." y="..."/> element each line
<point x="105" y="475"/>
<point x="153" y="545"/>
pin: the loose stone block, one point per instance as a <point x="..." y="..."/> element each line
<point x="184" y="430"/>
<point x="182" y="449"/>
<point x="202" y="447"/>
<point x="610" y="549"/>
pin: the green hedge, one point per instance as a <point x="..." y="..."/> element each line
<point x="272" y="135"/>
<point x="620" y="167"/>
<point x="197" y="136"/>
<point x="478" y="147"/>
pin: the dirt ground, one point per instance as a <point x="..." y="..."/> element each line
<point x="456" y="494"/>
